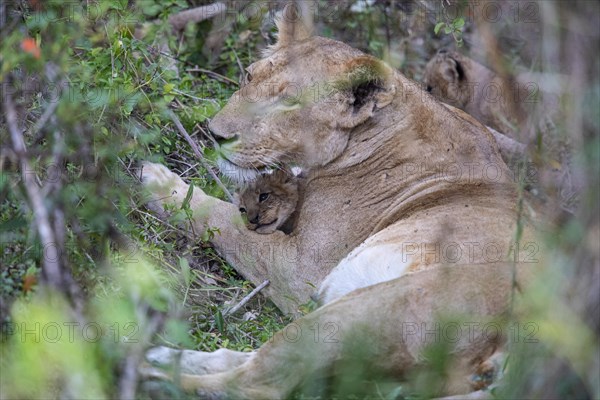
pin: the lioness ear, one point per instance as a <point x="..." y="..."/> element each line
<point x="369" y="86"/>
<point x="294" y="23"/>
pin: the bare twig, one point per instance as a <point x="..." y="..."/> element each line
<point x="180" y="20"/>
<point x="49" y="112"/>
<point x="246" y="299"/>
<point x="207" y="135"/>
<point x="50" y="265"/>
<point x="130" y="375"/>
<point x="213" y="74"/>
<point x="198" y="154"/>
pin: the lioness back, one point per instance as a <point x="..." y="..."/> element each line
<point x="269" y="202"/>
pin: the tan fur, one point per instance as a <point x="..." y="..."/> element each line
<point x="393" y="179"/>
<point x="280" y="192"/>
<point x="474" y="88"/>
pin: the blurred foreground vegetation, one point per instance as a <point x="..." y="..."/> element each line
<point x="89" y="283"/>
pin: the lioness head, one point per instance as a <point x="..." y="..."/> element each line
<point x="298" y="105"/>
<point x="269" y="201"/>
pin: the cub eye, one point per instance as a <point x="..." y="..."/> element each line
<point x="429" y="88"/>
<point x="262" y="197"/>
<point x="242" y="210"/>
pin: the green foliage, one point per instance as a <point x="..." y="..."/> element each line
<point x="141" y="279"/>
<point x="454" y="28"/>
<point x="114" y="110"/>
<point x="81" y="353"/>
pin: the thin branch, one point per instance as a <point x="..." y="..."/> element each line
<point x="207" y="135"/>
<point x="246" y="299"/>
<point x="50" y="265"/>
<point x="49" y="112"/>
<point x="194" y="97"/>
<point x="213" y="74"/>
<point x="198" y="154"/>
<point x="130" y="374"/>
<point x="181" y="19"/>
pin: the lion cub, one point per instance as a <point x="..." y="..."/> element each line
<point x="464" y="83"/>
<point x="270" y="201"/>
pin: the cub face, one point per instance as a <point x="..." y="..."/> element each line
<point x="446" y="79"/>
<point x="464" y="83"/>
<point x="269" y="201"/>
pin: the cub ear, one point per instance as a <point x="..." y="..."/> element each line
<point x="452" y="70"/>
<point x="294" y="23"/>
<point x="368" y="85"/>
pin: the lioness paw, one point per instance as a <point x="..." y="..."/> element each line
<point x="162" y="356"/>
<point x="164" y="186"/>
<point x="159" y="179"/>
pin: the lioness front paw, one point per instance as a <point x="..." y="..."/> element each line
<point x="148" y="372"/>
<point x="164" y="186"/>
<point x="162" y="356"/>
<point x="159" y="179"/>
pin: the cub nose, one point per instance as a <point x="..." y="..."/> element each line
<point x="254" y="220"/>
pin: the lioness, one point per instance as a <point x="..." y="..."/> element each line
<point x="269" y="202"/>
<point x="408" y="216"/>
<point x="476" y="89"/>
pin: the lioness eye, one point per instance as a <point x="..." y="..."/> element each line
<point x="429" y="88"/>
<point x="262" y="197"/>
<point x="242" y="210"/>
<point x="248" y="77"/>
<point x="289" y="100"/>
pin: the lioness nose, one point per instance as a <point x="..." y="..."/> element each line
<point x="254" y="220"/>
<point x="221" y="129"/>
<point x="232" y="139"/>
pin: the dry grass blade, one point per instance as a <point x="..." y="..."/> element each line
<point x="246" y="299"/>
<point x="198" y="154"/>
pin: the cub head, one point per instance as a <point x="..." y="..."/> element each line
<point x="445" y="78"/>
<point x="299" y="104"/>
<point x="269" y="201"/>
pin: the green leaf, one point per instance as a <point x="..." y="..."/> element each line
<point x="168" y="88"/>
<point x="13" y="224"/>
<point x="185" y="270"/>
<point x="438" y="26"/>
<point x="188" y="197"/>
<point x="130" y="102"/>
<point x="177" y="332"/>
<point x="151" y="10"/>
<point x="219" y="321"/>
<point x="458" y="22"/>
<point x="448" y="30"/>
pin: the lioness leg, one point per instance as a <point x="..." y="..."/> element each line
<point x="257" y="257"/>
<point x="391" y="339"/>
<point x="198" y="362"/>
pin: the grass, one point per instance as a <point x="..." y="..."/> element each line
<point x="133" y="267"/>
